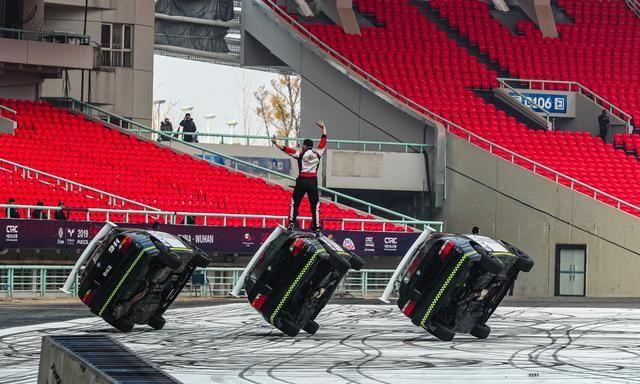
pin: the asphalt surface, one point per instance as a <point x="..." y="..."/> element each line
<point x="29" y="312"/>
<point x="363" y="344"/>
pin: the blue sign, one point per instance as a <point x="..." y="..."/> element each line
<point x="274" y="164"/>
<point x="552" y="103"/>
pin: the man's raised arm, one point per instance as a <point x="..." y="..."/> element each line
<point x="323" y="140"/>
<point x="288" y="150"/>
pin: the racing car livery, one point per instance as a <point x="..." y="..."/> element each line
<point x="131" y="276"/>
<point x="452" y="283"/>
<point x="292" y="277"/>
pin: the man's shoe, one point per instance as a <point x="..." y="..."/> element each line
<point x="318" y="233"/>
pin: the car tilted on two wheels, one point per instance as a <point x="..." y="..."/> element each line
<point x="132" y="276"/>
<point x="293" y="276"/>
<point x="453" y="283"/>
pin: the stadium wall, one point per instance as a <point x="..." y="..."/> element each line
<point x="534" y="213"/>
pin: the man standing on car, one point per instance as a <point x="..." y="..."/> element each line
<point x="188" y="126"/>
<point x="307" y="181"/>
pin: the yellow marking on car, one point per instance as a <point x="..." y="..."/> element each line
<point x="444" y="286"/>
<point x="285" y="297"/>
<point x="124" y="277"/>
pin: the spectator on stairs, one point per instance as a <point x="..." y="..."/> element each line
<point x="60" y="215"/>
<point x="188" y="126"/>
<point x="167" y="127"/>
<point x="603" y="122"/>
<point x="37" y="213"/>
<point x="12" y="213"/>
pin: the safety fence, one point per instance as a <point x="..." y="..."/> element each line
<point x="221" y="219"/>
<point x="358" y="145"/>
<point x="27" y="281"/>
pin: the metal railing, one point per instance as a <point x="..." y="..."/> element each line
<point x="634" y="5"/>
<point x="363" y="145"/>
<point x="27" y="281"/>
<point x="574" y="86"/>
<point x="378" y="87"/>
<point x="2" y="107"/>
<point x="45" y="36"/>
<point x="532" y="103"/>
<point x="224" y="219"/>
<point x="140" y="129"/>
<point x="68" y="185"/>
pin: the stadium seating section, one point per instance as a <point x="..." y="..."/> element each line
<point x="68" y="145"/>
<point x="411" y="55"/>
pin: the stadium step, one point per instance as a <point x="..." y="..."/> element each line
<point x="452" y="33"/>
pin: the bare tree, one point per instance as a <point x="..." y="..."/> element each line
<point x="279" y="105"/>
<point x="245" y="86"/>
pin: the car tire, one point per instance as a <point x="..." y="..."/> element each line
<point x="288" y="327"/>
<point x="156" y="322"/>
<point x="201" y="260"/>
<point x="524" y="263"/>
<point x="491" y="264"/>
<point x="122" y="325"/>
<point x="441" y="332"/>
<point x="311" y="327"/>
<point x="170" y="259"/>
<point x="356" y="262"/>
<point x="480" y="331"/>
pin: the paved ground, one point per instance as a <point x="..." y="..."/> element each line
<point x="357" y="343"/>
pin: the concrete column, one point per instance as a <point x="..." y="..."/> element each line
<point x="341" y="12"/>
<point x="540" y="12"/>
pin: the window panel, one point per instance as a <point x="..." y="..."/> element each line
<point x="105" y="40"/>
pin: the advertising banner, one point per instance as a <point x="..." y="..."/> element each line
<point x="52" y="234"/>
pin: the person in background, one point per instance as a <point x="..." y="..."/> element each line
<point x="475" y="231"/>
<point x="603" y="123"/>
<point x="165" y="126"/>
<point x="188" y="126"/>
<point x="38" y="213"/>
<point x="60" y="215"/>
<point x="12" y="213"/>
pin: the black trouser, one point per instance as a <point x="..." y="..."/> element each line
<point x="603" y="133"/>
<point x="308" y="186"/>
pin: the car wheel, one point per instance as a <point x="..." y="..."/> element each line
<point x="524" y="263"/>
<point x="339" y="263"/>
<point x="122" y="325"/>
<point x="156" y="322"/>
<point x="288" y="327"/>
<point x="201" y="260"/>
<point x="441" y="332"/>
<point x="480" y="331"/>
<point x="356" y="262"/>
<point x="170" y="259"/>
<point x="311" y="327"/>
<point x="491" y="264"/>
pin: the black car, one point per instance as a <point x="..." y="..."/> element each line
<point x="131" y="276"/>
<point x="292" y="277"/>
<point x="453" y="283"/>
